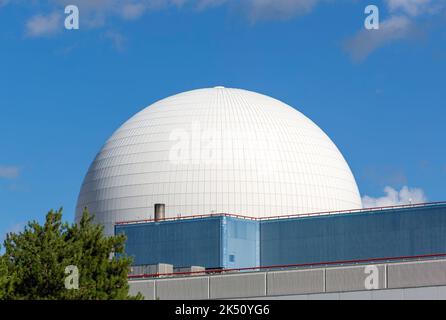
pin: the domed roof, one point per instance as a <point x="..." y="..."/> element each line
<point x="217" y="150"/>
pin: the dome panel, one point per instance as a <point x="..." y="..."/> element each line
<point x="217" y="150"/>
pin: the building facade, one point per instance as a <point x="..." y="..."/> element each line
<point x="229" y="242"/>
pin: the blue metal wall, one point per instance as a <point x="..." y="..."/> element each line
<point x="375" y="234"/>
<point x="182" y="243"/>
<point x="215" y="242"/>
<point x="227" y="242"/>
<point x="241" y="245"/>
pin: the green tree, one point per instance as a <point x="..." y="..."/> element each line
<point x="38" y="258"/>
<point x="6" y="279"/>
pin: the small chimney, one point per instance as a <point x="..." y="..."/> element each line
<point x="159" y="211"/>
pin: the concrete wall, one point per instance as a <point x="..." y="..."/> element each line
<point x="194" y="288"/>
<point x="355" y="278"/>
<point x="422" y="293"/>
<point x="374" y="281"/>
<point x="417" y="274"/>
<point x="252" y="284"/>
<point x="295" y="282"/>
<point x="146" y="288"/>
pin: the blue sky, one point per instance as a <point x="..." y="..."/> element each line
<point x="380" y="96"/>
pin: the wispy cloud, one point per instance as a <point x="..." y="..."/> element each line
<point x="9" y="172"/>
<point x="44" y="25"/>
<point x="394" y="197"/>
<point x="283" y="9"/>
<point x="265" y="9"/>
<point x="14" y="228"/>
<point x="413" y="7"/>
<point x="132" y="11"/>
<point x="95" y="13"/>
<point x="366" y="41"/>
<point x="401" y="24"/>
<point x="400" y="19"/>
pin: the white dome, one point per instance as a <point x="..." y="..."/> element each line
<point x="217" y="150"/>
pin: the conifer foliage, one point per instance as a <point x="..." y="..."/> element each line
<point x="39" y="262"/>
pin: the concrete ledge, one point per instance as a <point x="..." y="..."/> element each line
<point x="295" y="282"/>
<point x="354" y="278"/>
<point x="183" y="288"/>
<point x="416" y="274"/>
<point x="330" y="282"/>
<point x="238" y="285"/>
<point x="147" y="288"/>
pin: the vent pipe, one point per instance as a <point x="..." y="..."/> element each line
<point x="159" y="211"/>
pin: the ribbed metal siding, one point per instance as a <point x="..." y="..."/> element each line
<point x="295" y="282"/>
<point x="184" y="289"/>
<point x="216" y="242"/>
<point x="352" y="278"/>
<point x="224" y="242"/>
<point x="180" y="243"/>
<point x="238" y="285"/>
<point x="376" y="234"/>
<point x="241" y="243"/>
<point x="418" y="274"/>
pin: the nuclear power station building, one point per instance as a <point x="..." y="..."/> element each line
<point x="227" y="193"/>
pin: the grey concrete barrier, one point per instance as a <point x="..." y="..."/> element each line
<point x="295" y="282"/>
<point x="238" y="285"/>
<point x="416" y="274"/>
<point x="355" y="278"/>
<point x="190" y="288"/>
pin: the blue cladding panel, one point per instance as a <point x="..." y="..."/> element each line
<point x="218" y="242"/>
<point x="241" y="243"/>
<point x="182" y="243"/>
<point x="377" y="234"/>
<point x="226" y="242"/>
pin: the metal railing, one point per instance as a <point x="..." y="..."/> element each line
<point x="296" y="215"/>
<point x="292" y="266"/>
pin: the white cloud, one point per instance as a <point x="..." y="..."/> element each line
<point x="403" y="15"/>
<point x="95" y="13"/>
<point x="394" y="197"/>
<point x="14" y="228"/>
<point x="44" y="25"/>
<point x="400" y="25"/>
<point x="366" y="41"/>
<point x="411" y="7"/>
<point x="203" y="4"/>
<point x="132" y="11"/>
<point x="9" y="172"/>
<point x="266" y="9"/>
